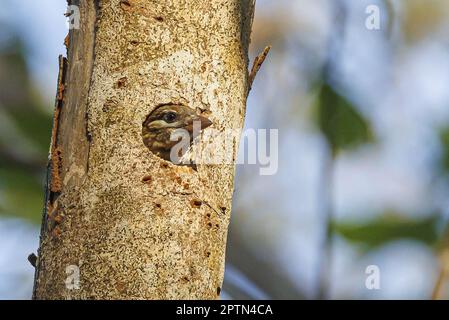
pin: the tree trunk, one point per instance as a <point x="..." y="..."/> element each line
<point x="134" y="225"/>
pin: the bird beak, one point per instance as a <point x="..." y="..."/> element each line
<point x="204" y="122"/>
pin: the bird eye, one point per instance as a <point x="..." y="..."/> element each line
<point x="169" y="117"/>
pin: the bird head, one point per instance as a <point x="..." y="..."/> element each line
<point x="164" y="120"/>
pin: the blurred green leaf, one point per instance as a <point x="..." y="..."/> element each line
<point x="340" y="122"/>
<point x="444" y="139"/>
<point x="389" y="227"/>
<point x="25" y="136"/>
<point x="21" y="195"/>
<point x="19" y="102"/>
<point x="34" y="124"/>
<point x="14" y="75"/>
<point x="391" y="16"/>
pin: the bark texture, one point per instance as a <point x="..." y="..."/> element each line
<point x="139" y="227"/>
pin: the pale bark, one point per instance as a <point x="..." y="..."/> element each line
<point x="139" y="227"/>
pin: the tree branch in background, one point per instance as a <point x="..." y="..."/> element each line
<point x="325" y="265"/>
<point x="440" y="288"/>
<point x="439" y="291"/>
<point x="30" y="164"/>
<point x="256" y="66"/>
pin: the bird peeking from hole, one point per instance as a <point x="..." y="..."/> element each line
<point x="170" y="129"/>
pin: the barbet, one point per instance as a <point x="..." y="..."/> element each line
<point x="160" y="125"/>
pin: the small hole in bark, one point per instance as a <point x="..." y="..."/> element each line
<point x="159" y="18"/>
<point x="223" y="210"/>
<point x="158" y="205"/>
<point x="208" y="215"/>
<point x="146" y="179"/>
<point x="208" y="254"/>
<point x="218" y="291"/>
<point x="196" y="203"/>
<point x="109" y="105"/>
<point x="122" y="82"/>
<point x="125" y="5"/>
<point x="209" y="224"/>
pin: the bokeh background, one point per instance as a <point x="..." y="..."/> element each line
<point x="363" y="178"/>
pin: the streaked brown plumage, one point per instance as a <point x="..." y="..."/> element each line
<point x="163" y="121"/>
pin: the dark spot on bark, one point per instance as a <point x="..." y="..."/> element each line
<point x="56" y="232"/>
<point x="208" y="215"/>
<point x="146" y="179"/>
<point x="120" y="286"/>
<point x="208" y="254"/>
<point x="178" y="180"/>
<point x="125" y="4"/>
<point x="158" y="205"/>
<point x="218" y="291"/>
<point x="196" y="203"/>
<point x="159" y="18"/>
<point x="56" y="162"/>
<point x="209" y="224"/>
<point x="121" y="83"/>
<point x="186" y="186"/>
<point x="59" y="217"/>
<point x="223" y="210"/>
<point x="109" y="105"/>
<point x="134" y="42"/>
